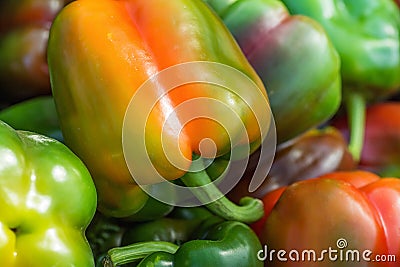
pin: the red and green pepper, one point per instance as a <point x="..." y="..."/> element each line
<point x="24" y="32"/>
<point x="293" y="56"/>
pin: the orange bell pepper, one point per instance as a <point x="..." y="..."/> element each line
<point x="101" y="54"/>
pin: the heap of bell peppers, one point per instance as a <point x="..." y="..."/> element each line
<point x="305" y="58"/>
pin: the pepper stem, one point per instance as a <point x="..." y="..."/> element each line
<point x="249" y="209"/>
<point x="134" y="252"/>
<point x="356" y="109"/>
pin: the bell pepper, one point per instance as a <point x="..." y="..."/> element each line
<point x="207" y="240"/>
<point x="47" y="199"/>
<point x="366" y="34"/>
<point x="294" y="58"/>
<point x="352" y="214"/>
<point x="37" y="115"/>
<point x="24" y="32"/>
<point x="314" y="153"/>
<point x="123" y="47"/>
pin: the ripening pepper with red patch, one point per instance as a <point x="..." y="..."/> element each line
<point x="99" y="55"/>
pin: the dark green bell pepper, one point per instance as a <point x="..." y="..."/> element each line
<point x="366" y="34"/>
<point x="47" y="199"/>
<point x="178" y="227"/>
<point x="294" y="58"/>
<point x="188" y="237"/>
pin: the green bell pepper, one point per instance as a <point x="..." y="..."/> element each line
<point x="47" y="199"/>
<point x="294" y="58"/>
<point x="188" y="237"/>
<point x="366" y="34"/>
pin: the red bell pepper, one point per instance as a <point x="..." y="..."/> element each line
<point x="338" y="219"/>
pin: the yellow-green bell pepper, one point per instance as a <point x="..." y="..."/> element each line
<point x="47" y="199"/>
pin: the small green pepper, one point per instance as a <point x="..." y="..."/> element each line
<point x="208" y="240"/>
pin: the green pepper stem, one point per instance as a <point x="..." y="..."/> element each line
<point x="356" y="109"/>
<point x="249" y="209"/>
<point x="134" y="252"/>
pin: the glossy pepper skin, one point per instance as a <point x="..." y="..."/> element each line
<point x="293" y="56"/>
<point x="117" y="55"/>
<point x="358" y="207"/>
<point x="47" y="199"/>
<point x="366" y="34"/>
<point x="24" y="32"/>
<point x="208" y="241"/>
<point x="314" y="153"/>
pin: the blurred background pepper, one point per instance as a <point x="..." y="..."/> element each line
<point x="381" y="146"/>
<point x="37" y="115"/>
<point x="24" y="32"/>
